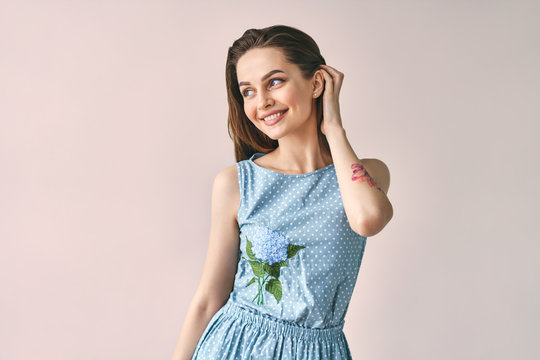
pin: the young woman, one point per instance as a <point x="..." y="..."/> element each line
<point x="290" y="219"/>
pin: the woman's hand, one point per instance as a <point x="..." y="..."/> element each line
<point x="332" y="85"/>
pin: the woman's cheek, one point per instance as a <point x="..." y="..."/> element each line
<point x="249" y="112"/>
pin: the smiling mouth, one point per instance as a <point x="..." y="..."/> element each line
<point x="274" y="116"/>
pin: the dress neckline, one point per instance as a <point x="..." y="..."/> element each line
<point x="259" y="154"/>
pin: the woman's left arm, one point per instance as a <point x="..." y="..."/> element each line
<point x="363" y="184"/>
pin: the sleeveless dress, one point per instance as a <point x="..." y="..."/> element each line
<point x="298" y="264"/>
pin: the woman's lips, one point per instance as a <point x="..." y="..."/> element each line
<point x="274" y="121"/>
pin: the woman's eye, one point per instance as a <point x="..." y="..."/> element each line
<point x="245" y="92"/>
<point x="271" y="81"/>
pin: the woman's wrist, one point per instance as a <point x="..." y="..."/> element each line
<point x="334" y="131"/>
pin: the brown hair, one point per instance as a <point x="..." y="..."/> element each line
<point x="298" y="48"/>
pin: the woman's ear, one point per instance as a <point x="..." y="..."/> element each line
<point x="317" y="83"/>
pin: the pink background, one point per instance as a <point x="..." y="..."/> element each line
<point x="113" y="126"/>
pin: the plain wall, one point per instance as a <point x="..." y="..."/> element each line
<point x="113" y="126"/>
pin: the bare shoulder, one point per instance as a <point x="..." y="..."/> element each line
<point x="227" y="178"/>
<point x="226" y="189"/>
<point x="222" y="256"/>
<point x="378" y="170"/>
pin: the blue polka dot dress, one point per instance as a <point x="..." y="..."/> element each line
<point x="298" y="264"/>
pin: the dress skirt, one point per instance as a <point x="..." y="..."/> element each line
<point x="241" y="333"/>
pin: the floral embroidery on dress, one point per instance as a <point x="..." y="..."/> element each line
<point x="268" y="253"/>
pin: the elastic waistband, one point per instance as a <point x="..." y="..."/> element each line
<point x="281" y="327"/>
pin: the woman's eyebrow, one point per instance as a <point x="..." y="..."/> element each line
<point x="263" y="78"/>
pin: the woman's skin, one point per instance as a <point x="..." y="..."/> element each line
<point x="363" y="183"/>
<point x="366" y="205"/>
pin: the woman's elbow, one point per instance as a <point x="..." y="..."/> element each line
<point x="373" y="225"/>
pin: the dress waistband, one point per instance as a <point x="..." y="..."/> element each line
<point x="282" y="327"/>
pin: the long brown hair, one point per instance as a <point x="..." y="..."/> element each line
<point x="298" y="48"/>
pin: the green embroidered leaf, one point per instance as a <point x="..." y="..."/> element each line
<point x="251" y="281"/>
<point x="272" y="270"/>
<point x="249" y="251"/>
<point x="283" y="263"/>
<point x="274" y="287"/>
<point x="293" y="249"/>
<point x="266" y="267"/>
<point x="257" y="268"/>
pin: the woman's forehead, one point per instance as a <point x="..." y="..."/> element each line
<point x="258" y="62"/>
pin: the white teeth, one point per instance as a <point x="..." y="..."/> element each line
<point x="272" y="117"/>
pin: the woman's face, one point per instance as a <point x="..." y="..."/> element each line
<point x="269" y="84"/>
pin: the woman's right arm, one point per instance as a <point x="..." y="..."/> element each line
<point x="219" y="270"/>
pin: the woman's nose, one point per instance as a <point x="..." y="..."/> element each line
<point x="264" y="99"/>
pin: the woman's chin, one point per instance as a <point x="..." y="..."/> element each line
<point x="273" y="136"/>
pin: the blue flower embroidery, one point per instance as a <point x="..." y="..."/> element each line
<point x="268" y="252"/>
<point x="270" y="246"/>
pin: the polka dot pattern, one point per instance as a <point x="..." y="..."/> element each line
<point x="316" y="284"/>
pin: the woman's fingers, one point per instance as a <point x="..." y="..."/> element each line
<point x="333" y="72"/>
<point x="332" y="76"/>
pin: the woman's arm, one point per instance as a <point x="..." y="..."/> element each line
<point x="363" y="184"/>
<point x="220" y="265"/>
